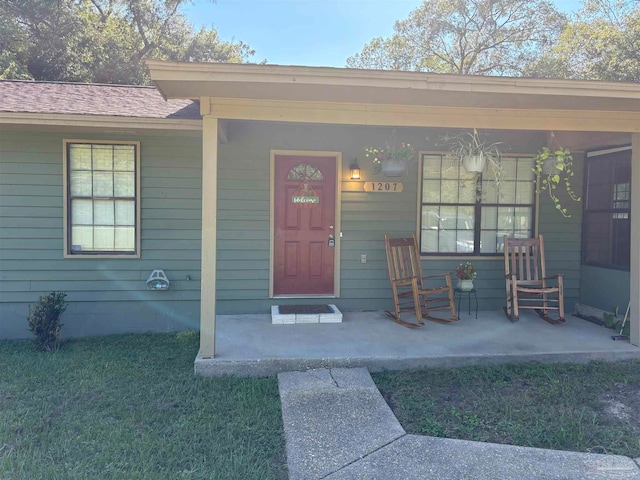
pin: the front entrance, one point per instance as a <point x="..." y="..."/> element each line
<point x="304" y="225"/>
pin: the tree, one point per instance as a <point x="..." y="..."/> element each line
<point x="104" y="41"/>
<point x="485" y="37"/>
<point x="602" y="42"/>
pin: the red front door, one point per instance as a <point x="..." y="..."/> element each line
<point x="304" y="233"/>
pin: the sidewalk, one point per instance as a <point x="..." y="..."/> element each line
<point x="338" y="426"/>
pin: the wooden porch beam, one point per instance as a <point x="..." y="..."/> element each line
<point x="634" y="287"/>
<point x="209" y="236"/>
<point x="425" y="116"/>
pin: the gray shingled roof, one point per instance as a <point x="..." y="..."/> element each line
<point x="92" y="99"/>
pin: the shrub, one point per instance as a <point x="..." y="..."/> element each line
<point x="44" y="320"/>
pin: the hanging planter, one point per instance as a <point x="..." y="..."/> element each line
<point x="474" y="163"/>
<point x="394" y="168"/>
<point x="553" y="168"/>
<point x="475" y="153"/>
<point x="392" y="159"/>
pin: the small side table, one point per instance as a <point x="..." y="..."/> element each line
<point x="458" y="294"/>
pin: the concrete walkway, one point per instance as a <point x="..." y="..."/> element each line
<point x="338" y="426"/>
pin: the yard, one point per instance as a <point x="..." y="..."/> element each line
<point x="587" y="408"/>
<point x="129" y="406"/>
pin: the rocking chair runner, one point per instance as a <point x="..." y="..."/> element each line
<point x="408" y="286"/>
<point x="526" y="281"/>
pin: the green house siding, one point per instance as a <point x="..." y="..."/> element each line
<point x="105" y="295"/>
<point x="243" y="219"/>
<point x="109" y="295"/>
<point x="604" y="288"/>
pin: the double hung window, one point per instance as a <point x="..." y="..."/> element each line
<point x="467" y="214"/>
<point x="102" y="198"/>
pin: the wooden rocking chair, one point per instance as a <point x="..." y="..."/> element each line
<point x="526" y="280"/>
<point x="410" y="292"/>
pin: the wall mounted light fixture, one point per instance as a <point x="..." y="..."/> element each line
<point x="158" y="281"/>
<point x="355" y="170"/>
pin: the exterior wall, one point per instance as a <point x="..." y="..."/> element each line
<point x="243" y="219"/>
<point x="563" y="236"/>
<point x="604" y="288"/>
<point x="109" y="295"/>
<point x="105" y="295"/>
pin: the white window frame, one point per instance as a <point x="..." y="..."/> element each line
<point x="66" y="198"/>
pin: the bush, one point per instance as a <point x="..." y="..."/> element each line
<point x="44" y="320"/>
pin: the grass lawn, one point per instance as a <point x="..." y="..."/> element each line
<point x="130" y="407"/>
<point x="587" y="408"/>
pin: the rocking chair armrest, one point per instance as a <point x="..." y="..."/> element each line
<point x="405" y="281"/>
<point x="554" y="277"/>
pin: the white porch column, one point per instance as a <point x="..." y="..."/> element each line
<point x="634" y="293"/>
<point x="209" y="235"/>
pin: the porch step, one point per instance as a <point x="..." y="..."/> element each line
<point x="303" y="316"/>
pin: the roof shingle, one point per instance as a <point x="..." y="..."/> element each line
<point x="92" y="99"/>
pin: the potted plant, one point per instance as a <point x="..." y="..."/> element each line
<point x="553" y="167"/>
<point x="475" y="153"/>
<point x="391" y="160"/>
<point x="466" y="273"/>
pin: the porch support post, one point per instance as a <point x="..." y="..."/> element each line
<point x="634" y="290"/>
<point x="209" y="235"/>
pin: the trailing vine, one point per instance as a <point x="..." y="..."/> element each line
<point x="552" y="168"/>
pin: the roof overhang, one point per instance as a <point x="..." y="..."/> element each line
<point x="354" y="89"/>
<point x="98" y="121"/>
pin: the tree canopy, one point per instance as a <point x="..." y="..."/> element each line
<point x="103" y="41"/>
<point x="490" y="37"/>
<point x="602" y="42"/>
<point x="515" y="38"/>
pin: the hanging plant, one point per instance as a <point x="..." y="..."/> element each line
<point x="551" y="169"/>
<point x="475" y="154"/>
<point x="392" y="160"/>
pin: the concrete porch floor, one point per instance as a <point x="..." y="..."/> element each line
<point x="249" y="345"/>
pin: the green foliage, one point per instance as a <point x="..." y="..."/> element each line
<point x="558" y="406"/>
<point x="482" y="37"/>
<point x="129" y="407"/>
<point x="102" y="41"/>
<point x="549" y="177"/>
<point x="601" y="42"/>
<point x="44" y="320"/>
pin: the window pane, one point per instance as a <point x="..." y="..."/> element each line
<point x="523" y="219"/>
<point x="489" y="192"/>
<point x="489" y="242"/>
<point x="125" y="212"/>
<point x="429" y="241"/>
<point x="467" y="191"/>
<point x="123" y="184"/>
<point x="103" y="238"/>
<point x="125" y="239"/>
<point x="489" y="218"/>
<point x="525" y="169"/>
<point x="80" y="184"/>
<point x="431" y="167"/>
<point x="103" y="184"/>
<point x="449" y="191"/>
<point x="507" y="192"/>
<point x="524" y="193"/>
<point x="509" y="168"/>
<point x="103" y="212"/>
<point x="124" y="158"/>
<point x="80" y="157"/>
<point x="450" y="168"/>
<point x="81" y="212"/>
<point x="103" y="157"/>
<point x="431" y="217"/>
<point x="505" y="219"/>
<point x="431" y="191"/>
<point x="81" y="239"/>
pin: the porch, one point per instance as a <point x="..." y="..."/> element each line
<point x="249" y="345"/>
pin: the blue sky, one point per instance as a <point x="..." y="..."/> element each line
<point x="308" y="32"/>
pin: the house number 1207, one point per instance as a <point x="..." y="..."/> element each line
<point x="383" y="187"/>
